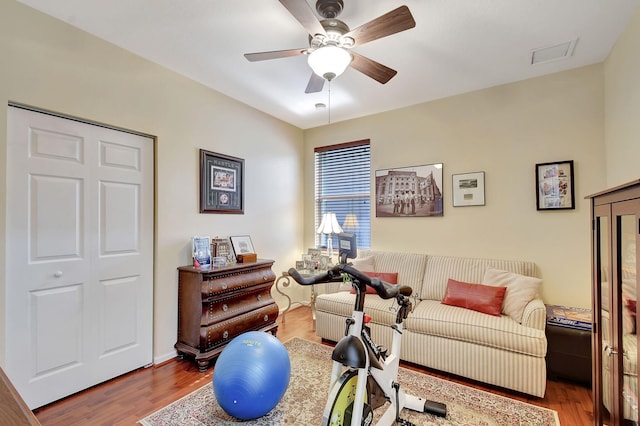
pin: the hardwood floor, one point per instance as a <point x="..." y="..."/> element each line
<point x="131" y="397"/>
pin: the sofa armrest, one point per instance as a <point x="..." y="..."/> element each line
<point x="535" y="315"/>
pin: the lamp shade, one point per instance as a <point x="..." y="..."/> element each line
<point x="350" y="222"/>
<point x="329" y="224"/>
<point x="329" y="61"/>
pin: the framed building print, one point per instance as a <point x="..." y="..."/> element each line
<point x="409" y="191"/>
<point x="468" y="189"/>
<point x="221" y="183"/>
<point x="554" y="186"/>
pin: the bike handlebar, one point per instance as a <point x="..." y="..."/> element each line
<point x="382" y="288"/>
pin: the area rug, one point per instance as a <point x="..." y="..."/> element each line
<point x="303" y="402"/>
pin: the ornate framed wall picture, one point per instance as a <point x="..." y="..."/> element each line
<point x="409" y="191"/>
<point x="554" y="186"/>
<point x="468" y="189"/>
<point x="221" y="183"/>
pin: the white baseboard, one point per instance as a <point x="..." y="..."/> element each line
<point x="164" y="358"/>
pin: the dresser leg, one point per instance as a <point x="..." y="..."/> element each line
<point x="203" y="365"/>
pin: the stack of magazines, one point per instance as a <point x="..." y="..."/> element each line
<point x="564" y="316"/>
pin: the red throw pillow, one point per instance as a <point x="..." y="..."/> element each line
<point x="388" y="277"/>
<point x="478" y="297"/>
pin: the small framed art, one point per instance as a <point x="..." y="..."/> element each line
<point x="242" y="244"/>
<point x="221" y="247"/>
<point x="554" y="186"/>
<point x="221" y="183"/>
<point x="468" y="189"/>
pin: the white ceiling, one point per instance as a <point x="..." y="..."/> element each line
<point x="457" y="46"/>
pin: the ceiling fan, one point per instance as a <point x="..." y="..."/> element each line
<point x="330" y="39"/>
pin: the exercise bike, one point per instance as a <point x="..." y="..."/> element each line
<point x="371" y="376"/>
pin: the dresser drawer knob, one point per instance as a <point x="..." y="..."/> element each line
<point x="265" y="278"/>
<point x="259" y="297"/>
<point x="224" y="286"/>
<point x="266" y="318"/>
<point x="225" y="335"/>
<point x="225" y="307"/>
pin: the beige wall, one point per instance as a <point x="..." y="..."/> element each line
<point x="503" y="131"/>
<point x="48" y="64"/>
<point x="622" y="107"/>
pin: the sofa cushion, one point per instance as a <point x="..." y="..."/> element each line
<point x="434" y="318"/>
<point x="388" y="277"/>
<point x="482" y="298"/>
<point x="410" y="266"/>
<point x="440" y="268"/>
<point x="520" y="290"/>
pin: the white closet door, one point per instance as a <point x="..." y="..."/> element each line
<point x="79" y="292"/>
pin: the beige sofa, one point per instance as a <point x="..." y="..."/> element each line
<point x="492" y="349"/>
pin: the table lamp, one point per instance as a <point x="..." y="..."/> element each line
<point x="350" y="223"/>
<point x="329" y="226"/>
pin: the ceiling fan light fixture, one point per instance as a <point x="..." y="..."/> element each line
<point x="329" y="61"/>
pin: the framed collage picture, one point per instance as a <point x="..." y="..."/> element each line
<point x="554" y="186"/>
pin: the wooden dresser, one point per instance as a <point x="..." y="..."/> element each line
<point x="215" y="305"/>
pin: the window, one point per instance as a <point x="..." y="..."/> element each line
<point x="343" y="186"/>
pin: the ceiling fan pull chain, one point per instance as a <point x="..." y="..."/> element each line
<point x="329" y="102"/>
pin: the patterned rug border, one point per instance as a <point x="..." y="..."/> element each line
<point x="437" y="382"/>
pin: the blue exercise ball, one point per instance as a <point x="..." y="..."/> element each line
<point x="251" y="375"/>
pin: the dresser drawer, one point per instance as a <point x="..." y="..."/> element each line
<point x="224" y="331"/>
<point x="223" y="308"/>
<point x="218" y="284"/>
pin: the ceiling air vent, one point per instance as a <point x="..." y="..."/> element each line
<point x="553" y="53"/>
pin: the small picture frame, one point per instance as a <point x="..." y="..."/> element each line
<point x="242" y="244"/>
<point x="325" y="261"/>
<point x="221" y="247"/>
<point x="300" y="265"/>
<point x="221" y="183"/>
<point x="554" y="186"/>
<point x="315" y="254"/>
<point x="468" y="189"/>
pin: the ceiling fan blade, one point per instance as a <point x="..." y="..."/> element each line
<point x="303" y="13"/>
<point x="371" y="68"/>
<point x="315" y="85"/>
<point x="397" y="20"/>
<point x="263" y="56"/>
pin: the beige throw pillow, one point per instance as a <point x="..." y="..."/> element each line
<point x="364" y="264"/>
<point x="521" y="290"/>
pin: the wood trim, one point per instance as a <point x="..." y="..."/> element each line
<point x="363" y="142"/>
<point x="13" y="409"/>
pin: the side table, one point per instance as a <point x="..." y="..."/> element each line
<point x="569" y="344"/>
<point x="284" y="280"/>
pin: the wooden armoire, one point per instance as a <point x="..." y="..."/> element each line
<point x="615" y="227"/>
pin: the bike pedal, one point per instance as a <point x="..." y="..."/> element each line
<point x="403" y="422"/>
<point x="435" y="408"/>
